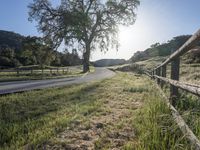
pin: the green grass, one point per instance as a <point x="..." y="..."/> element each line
<point x="190" y="73"/>
<point x="153" y="123"/>
<point x="155" y="126"/>
<point x="142" y="119"/>
<point x="32" y="117"/>
<point x="139" y="89"/>
<point x="189" y="107"/>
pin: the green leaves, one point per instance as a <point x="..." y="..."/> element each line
<point x="36" y="52"/>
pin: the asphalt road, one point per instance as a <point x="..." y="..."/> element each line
<point x="20" y="86"/>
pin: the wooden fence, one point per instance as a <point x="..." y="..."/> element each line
<point x="50" y="70"/>
<point x="159" y="74"/>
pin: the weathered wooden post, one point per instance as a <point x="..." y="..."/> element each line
<point x="63" y="71"/>
<point x="154" y="73"/>
<point x="163" y="74"/>
<point x="17" y="71"/>
<point x="42" y="71"/>
<point x="51" y="71"/>
<point x="31" y="71"/>
<point x="175" y="68"/>
<point x="57" y="70"/>
<point x="158" y="74"/>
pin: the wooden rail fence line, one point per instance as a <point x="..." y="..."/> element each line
<point x="159" y="74"/>
<point x="51" y="70"/>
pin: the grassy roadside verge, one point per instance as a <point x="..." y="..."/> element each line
<point x="123" y="112"/>
<point x="38" y="75"/>
<point x="32" y="117"/>
<point x="8" y="77"/>
<point x="155" y="126"/>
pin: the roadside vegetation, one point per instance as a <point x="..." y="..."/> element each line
<point x="160" y="128"/>
<point x="36" y="73"/>
<point x="123" y="112"/>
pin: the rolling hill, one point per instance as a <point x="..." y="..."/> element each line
<point x="109" y="62"/>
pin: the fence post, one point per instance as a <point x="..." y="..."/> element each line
<point x="163" y="74"/>
<point x="57" y="70"/>
<point x="152" y="74"/>
<point x="17" y="71"/>
<point x="158" y="74"/>
<point x="175" y="67"/>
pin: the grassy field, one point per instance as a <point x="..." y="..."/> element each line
<point x="124" y="112"/>
<point x="27" y="74"/>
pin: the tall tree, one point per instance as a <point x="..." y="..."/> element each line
<point x="86" y="23"/>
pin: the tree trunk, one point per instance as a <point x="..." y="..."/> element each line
<point x="86" y="59"/>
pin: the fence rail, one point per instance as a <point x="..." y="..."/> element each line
<point x="183" y="49"/>
<point x="50" y="70"/>
<point x="159" y="74"/>
<point x="181" y="123"/>
<point x="194" y="89"/>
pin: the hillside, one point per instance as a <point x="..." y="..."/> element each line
<point x="158" y="49"/>
<point x="11" y="39"/>
<point x="161" y="51"/>
<point x="109" y="62"/>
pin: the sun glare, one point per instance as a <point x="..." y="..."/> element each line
<point x="131" y="38"/>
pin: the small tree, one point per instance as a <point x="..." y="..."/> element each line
<point x="86" y="23"/>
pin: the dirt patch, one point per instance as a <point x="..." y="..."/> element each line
<point x="100" y="128"/>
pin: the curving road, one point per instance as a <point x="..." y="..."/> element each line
<point x="20" y="86"/>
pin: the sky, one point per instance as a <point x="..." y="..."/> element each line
<point x="157" y="21"/>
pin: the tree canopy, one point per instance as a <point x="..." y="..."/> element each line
<point x="90" y="24"/>
<point x="17" y="50"/>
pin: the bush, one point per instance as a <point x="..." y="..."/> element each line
<point x="5" y="62"/>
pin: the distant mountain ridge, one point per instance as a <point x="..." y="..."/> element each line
<point x="109" y="62"/>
